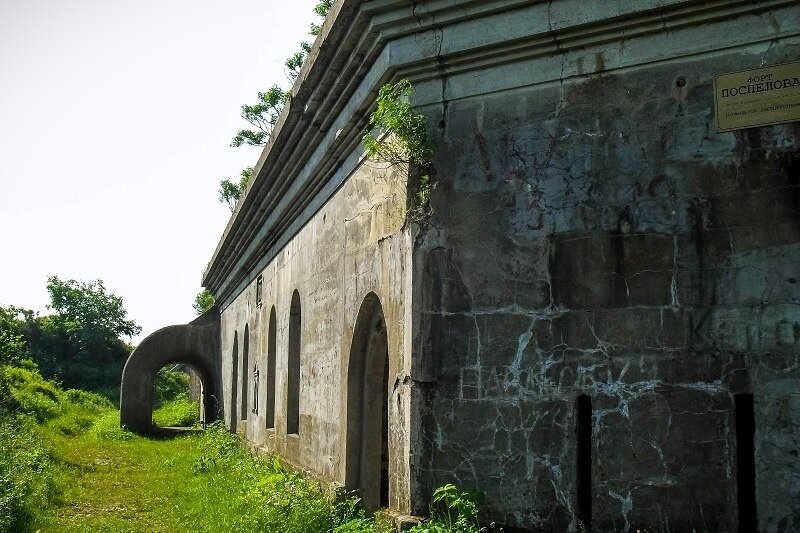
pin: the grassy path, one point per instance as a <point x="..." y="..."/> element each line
<point x="122" y="485"/>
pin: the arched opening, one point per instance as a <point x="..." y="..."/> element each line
<point x="245" y="372"/>
<point x="234" y="380"/>
<point x="367" y="447"/>
<point x="293" y="367"/>
<point x="179" y="391"/>
<point x="272" y="345"/>
<point x="193" y="345"/>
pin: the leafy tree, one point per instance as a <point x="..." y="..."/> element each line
<point x="13" y="348"/>
<point x="230" y="192"/>
<point x="263" y="115"/>
<point x="203" y="301"/>
<point x="80" y="344"/>
<point x="88" y="312"/>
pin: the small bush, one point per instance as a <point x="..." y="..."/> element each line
<point x="177" y="413"/>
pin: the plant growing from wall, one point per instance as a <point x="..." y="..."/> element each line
<point x="203" y="301"/>
<point x="230" y="191"/>
<point x="452" y="511"/>
<point x="403" y="137"/>
<point x="264" y="114"/>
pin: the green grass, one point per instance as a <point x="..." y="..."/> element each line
<point x="66" y="465"/>
<point x="179" y="412"/>
<point x="205" y="482"/>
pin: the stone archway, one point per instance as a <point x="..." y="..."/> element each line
<point x="195" y="344"/>
<point x="367" y="445"/>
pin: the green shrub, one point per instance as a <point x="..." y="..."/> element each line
<point x="27" y="474"/>
<point x="71" y="412"/>
<point x="170" y="385"/>
<point x="33" y="394"/>
<point x="107" y="427"/>
<point x="452" y="511"/>
<point x="177" y="413"/>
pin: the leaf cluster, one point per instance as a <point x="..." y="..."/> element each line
<point x="231" y="192"/>
<point x="452" y="511"/>
<point x="407" y="139"/>
<point x="262" y="116"/>
<point x="88" y="312"/>
<point x="13" y="348"/>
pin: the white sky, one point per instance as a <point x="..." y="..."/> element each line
<point x="115" y="121"/>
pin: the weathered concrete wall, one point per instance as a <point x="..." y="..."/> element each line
<point x="593" y="234"/>
<point x="355" y="244"/>
<point x="596" y="235"/>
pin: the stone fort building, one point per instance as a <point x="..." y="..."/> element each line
<point x="598" y="321"/>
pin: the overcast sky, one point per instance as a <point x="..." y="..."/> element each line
<point x="115" y="121"/>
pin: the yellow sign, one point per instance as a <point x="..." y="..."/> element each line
<point x="757" y="97"/>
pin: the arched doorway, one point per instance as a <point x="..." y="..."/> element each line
<point x="180" y="392"/>
<point x="367" y="447"/>
<point x="195" y="345"/>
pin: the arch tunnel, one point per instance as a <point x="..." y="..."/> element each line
<point x="195" y="344"/>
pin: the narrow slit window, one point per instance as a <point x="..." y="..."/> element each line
<point x="583" y="434"/>
<point x="293" y="381"/>
<point x="259" y="290"/>
<point x="745" y="423"/>
<point x="245" y="373"/>
<point x="271" y="352"/>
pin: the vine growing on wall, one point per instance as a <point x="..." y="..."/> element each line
<point x="398" y="134"/>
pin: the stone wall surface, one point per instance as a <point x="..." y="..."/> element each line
<point x="356" y="244"/>
<point x="594" y="234"/>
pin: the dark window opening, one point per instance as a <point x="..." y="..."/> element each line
<point x="259" y="290"/>
<point x="234" y="380"/>
<point x="744" y="420"/>
<point x="271" y="351"/>
<point x="583" y="433"/>
<point x="293" y="381"/>
<point x="244" y="374"/>
<point x="384" y="429"/>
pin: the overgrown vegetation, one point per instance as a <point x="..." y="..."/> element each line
<point x="452" y="511"/>
<point x="67" y="465"/>
<point x="263" y="495"/>
<point x="180" y="412"/>
<point x="262" y="116"/>
<point x="31" y="406"/>
<point x="398" y="134"/>
<point x="28" y="474"/>
<point x="203" y="301"/>
<point x="80" y="344"/>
